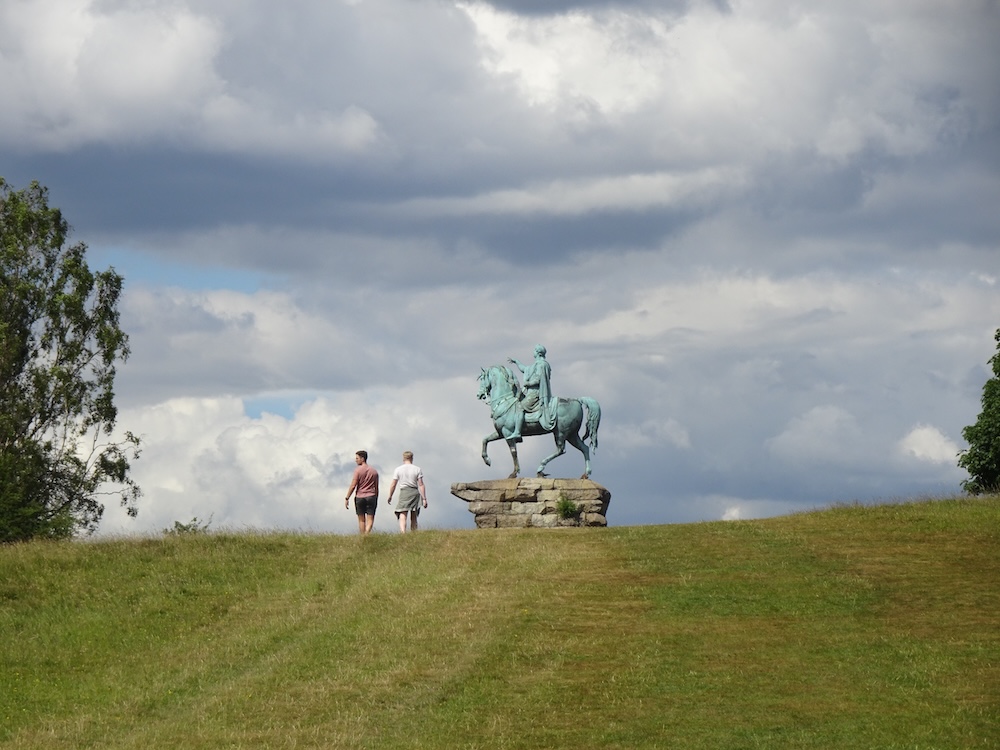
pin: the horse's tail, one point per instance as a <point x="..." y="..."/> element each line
<point x="593" y="419"/>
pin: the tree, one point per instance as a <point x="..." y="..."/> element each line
<point x="59" y="342"/>
<point x="982" y="459"/>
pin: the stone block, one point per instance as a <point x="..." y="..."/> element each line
<point x="576" y="495"/>
<point x="594" y="506"/>
<point x="513" y="521"/>
<point x="491" y="495"/>
<point x="544" y="521"/>
<point x="489" y="507"/>
<point x="533" y="501"/>
<point x="486" y="521"/>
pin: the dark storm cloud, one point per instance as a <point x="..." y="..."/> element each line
<point x="551" y="7"/>
<point x="112" y="196"/>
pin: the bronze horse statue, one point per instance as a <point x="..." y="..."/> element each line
<point x="499" y="386"/>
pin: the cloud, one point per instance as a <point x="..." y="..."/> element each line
<point x="927" y="443"/>
<point x="762" y="235"/>
<point x="79" y="73"/>
<point x="824" y="434"/>
<point x="611" y="63"/>
<point x="719" y="392"/>
<point x="794" y="77"/>
<point x="630" y="193"/>
<point x="701" y="87"/>
<point x="229" y="342"/>
<point x="205" y="457"/>
<point x="76" y="72"/>
<point x="733" y="513"/>
<point x="669" y="434"/>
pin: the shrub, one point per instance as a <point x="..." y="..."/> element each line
<point x="194" y="526"/>
<point x="566" y="508"/>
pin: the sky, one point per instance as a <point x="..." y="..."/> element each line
<point x="762" y="234"/>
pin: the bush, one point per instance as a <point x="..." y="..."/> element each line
<point x="194" y="526"/>
<point x="566" y="508"/>
<point x="982" y="458"/>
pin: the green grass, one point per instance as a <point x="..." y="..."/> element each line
<point x="856" y="627"/>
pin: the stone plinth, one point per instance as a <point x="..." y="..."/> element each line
<point x="535" y="502"/>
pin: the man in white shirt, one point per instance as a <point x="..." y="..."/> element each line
<point x="412" y="491"/>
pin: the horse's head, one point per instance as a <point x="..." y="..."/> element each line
<point x="496" y="377"/>
<point x="484" y="386"/>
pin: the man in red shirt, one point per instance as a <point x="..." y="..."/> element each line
<point x="365" y="481"/>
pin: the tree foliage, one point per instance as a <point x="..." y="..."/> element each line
<point x="59" y="342"/>
<point x="982" y="458"/>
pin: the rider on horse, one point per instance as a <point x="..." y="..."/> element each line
<point x="536" y="397"/>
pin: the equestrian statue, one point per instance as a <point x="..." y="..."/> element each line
<point x="531" y="409"/>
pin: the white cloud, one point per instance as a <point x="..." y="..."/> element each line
<point x="613" y="62"/>
<point x="705" y="377"/>
<point x="74" y="72"/>
<point x="663" y="434"/>
<point x="825" y="434"/>
<point x="206" y="458"/>
<point x="837" y="79"/>
<point x="705" y="87"/>
<point x="630" y="193"/>
<point x="929" y="444"/>
<point x="721" y="507"/>
<point x="732" y="513"/>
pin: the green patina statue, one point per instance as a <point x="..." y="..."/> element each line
<point x="518" y="411"/>
<point x="536" y="394"/>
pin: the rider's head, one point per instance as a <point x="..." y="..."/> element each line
<point x="408" y="455"/>
<point x="539" y="351"/>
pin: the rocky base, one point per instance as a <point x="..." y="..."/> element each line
<point x="533" y="502"/>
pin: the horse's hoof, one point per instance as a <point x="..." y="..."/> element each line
<point x="541" y="474"/>
<point x="513" y="475"/>
<point x="585" y="476"/>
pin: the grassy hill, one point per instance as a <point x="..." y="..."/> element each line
<point x="855" y="627"/>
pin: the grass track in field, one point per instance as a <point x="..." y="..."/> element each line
<point x="856" y="627"/>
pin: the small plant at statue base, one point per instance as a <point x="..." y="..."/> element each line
<point x="566" y="508"/>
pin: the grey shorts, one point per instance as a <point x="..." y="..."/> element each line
<point x="365" y="506"/>
<point x="409" y="501"/>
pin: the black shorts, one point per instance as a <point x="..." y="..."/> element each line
<point x="365" y="506"/>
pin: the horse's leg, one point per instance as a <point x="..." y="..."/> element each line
<point x="512" y="444"/>
<point x="505" y="431"/>
<point x="577" y="442"/>
<point x="560" y="449"/>
<point x="569" y="418"/>
<point x="486" y="441"/>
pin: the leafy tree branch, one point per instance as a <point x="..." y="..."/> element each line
<point x="60" y="342"/>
